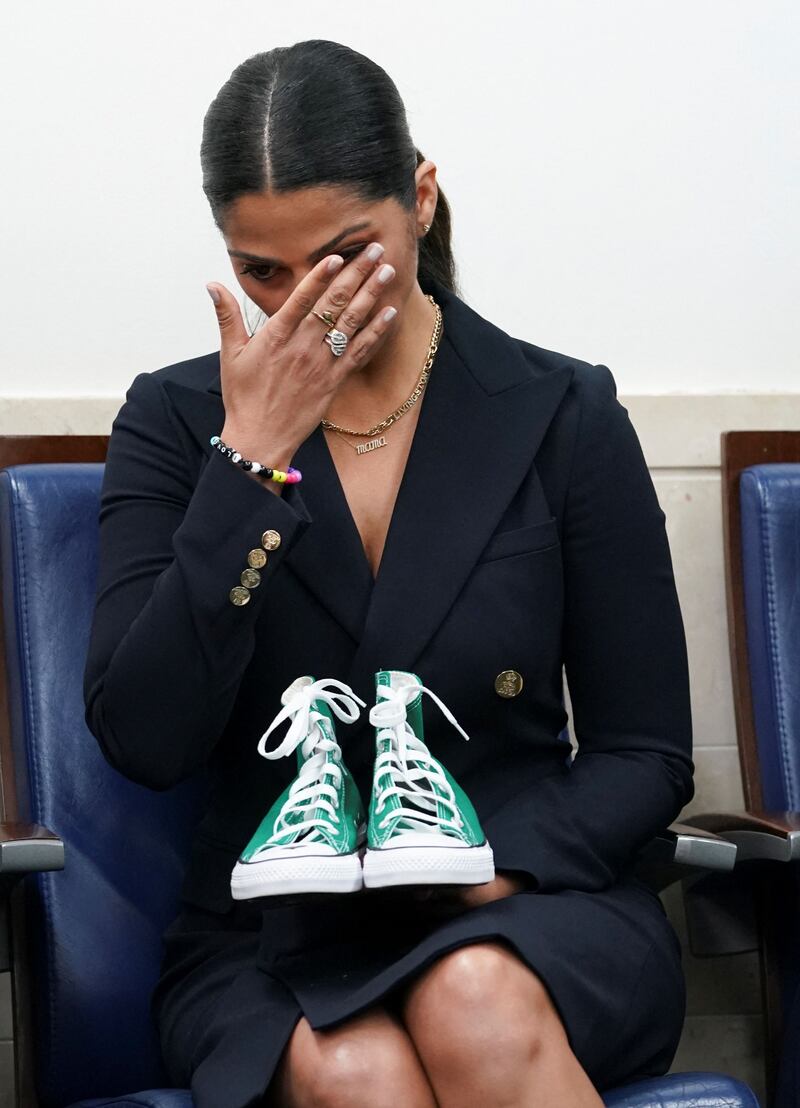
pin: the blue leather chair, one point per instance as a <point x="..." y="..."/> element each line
<point x="761" y="512"/>
<point x="769" y="497"/>
<point x="93" y="928"/>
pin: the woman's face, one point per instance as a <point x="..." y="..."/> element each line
<point x="275" y="239"/>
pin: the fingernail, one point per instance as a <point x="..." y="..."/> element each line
<point x="214" y="294"/>
<point x="389" y="314"/>
<point x="335" y="263"/>
<point x="374" y="251"/>
<point x="385" y="273"/>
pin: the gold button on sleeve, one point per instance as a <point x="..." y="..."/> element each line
<point x="257" y="558"/>
<point x="239" y="595"/>
<point x="270" y="540"/>
<point x="508" y="683"/>
<point x="251" y="578"/>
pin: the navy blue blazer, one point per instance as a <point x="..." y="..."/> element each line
<point x="526" y="535"/>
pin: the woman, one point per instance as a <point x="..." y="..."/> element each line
<point x="507" y="527"/>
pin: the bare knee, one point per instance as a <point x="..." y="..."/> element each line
<point x="368" y="1060"/>
<point x="479" y="1004"/>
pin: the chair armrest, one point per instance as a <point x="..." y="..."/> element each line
<point x="702" y="847"/>
<point x="772" y="836"/>
<point x="29" y="848"/>
<point x="24" y="848"/>
<point x="680" y="850"/>
<point x="687" y="845"/>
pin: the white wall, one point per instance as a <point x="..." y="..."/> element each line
<point x="623" y="176"/>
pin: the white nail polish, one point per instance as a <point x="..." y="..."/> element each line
<point x="385" y="273"/>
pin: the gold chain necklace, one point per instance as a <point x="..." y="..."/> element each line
<point x="380" y="440"/>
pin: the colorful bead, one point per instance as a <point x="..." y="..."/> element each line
<point x="289" y="477"/>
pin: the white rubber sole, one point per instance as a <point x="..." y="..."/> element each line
<point x="428" y="865"/>
<point x="310" y="873"/>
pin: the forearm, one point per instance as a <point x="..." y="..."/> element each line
<point x="580" y="830"/>
<point x="168" y="646"/>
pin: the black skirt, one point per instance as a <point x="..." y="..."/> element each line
<point x="226" y="1003"/>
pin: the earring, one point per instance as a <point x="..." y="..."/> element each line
<point x="426" y="227"/>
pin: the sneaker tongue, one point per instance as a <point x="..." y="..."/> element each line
<point x="414" y="709"/>
<point x="414" y="718"/>
<point x="317" y="833"/>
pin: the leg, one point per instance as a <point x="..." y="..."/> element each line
<point x="367" y="1060"/>
<point x="487" y="1032"/>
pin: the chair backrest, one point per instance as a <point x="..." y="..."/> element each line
<point x="769" y="498"/>
<point x="763" y="593"/>
<point x="741" y="450"/>
<point x="94" y="929"/>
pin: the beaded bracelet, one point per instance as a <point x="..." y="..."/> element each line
<point x="290" y="476"/>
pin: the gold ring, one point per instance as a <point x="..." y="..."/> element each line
<point x="326" y="317"/>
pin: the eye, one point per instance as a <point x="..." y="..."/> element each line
<point x="351" y="252"/>
<point x="266" y="273"/>
<point x="257" y="271"/>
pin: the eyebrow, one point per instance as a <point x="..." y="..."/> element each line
<point x="314" y="256"/>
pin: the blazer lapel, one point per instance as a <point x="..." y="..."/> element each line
<point x="330" y="557"/>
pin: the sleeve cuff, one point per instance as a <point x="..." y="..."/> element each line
<point x="238" y="517"/>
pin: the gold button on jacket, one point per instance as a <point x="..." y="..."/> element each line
<point x="270" y="540"/>
<point x="508" y="683"/>
<point x="239" y="595"/>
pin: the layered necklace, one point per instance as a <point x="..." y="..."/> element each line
<point x="374" y="436"/>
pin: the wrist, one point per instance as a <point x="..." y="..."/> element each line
<point x="280" y="459"/>
<point x="276" y="455"/>
<point x="274" y="486"/>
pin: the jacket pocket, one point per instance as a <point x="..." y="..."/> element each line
<point x="521" y="540"/>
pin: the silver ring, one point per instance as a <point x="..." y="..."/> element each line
<point x="337" y="340"/>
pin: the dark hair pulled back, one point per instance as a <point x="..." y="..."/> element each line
<point x="317" y="113"/>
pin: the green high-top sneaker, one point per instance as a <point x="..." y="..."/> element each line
<point x="422" y="828"/>
<point x="308" y="842"/>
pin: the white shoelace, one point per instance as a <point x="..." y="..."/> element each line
<point x="309" y="790"/>
<point x="389" y="714"/>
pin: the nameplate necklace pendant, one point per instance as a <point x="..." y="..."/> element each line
<point x="373" y="444"/>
